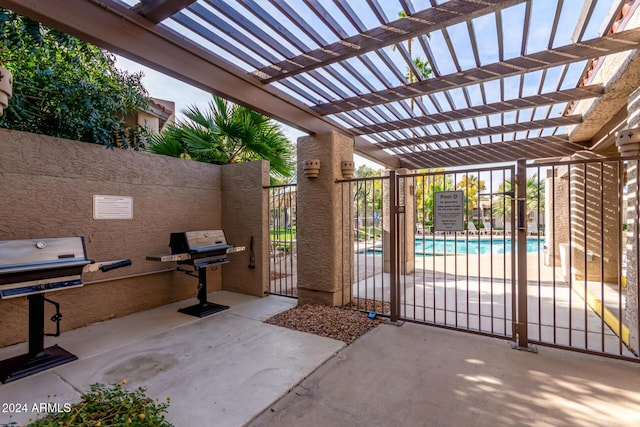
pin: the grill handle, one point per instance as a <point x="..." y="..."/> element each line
<point x="118" y="264"/>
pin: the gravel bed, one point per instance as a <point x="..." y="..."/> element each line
<point x="333" y="322"/>
<point x="371" y="305"/>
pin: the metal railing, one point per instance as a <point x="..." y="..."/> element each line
<point x="547" y="253"/>
<point x="282" y="240"/>
<point x="577" y="290"/>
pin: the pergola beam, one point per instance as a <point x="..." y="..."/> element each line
<point x="586" y="92"/>
<point x="422" y="22"/>
<point x="612" y="43"/>
<point x="533" y="148"/>
<point x="483" y="132"/>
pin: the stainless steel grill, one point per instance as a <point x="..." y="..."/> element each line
<point x="199" y="249"/>
<point x="31" y="268"/>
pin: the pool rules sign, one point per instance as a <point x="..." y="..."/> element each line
<point x="448" y="211"/>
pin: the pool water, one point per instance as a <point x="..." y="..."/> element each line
<point x="482" y="246"/>
<point x="450" y="246"/>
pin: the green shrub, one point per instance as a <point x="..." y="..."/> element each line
<point x="110" y="405"/>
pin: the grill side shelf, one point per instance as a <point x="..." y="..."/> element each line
<point x="169" y="258"/>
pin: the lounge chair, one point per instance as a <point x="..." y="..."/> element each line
<point x="471" y="228"/>
<point x="507" y="229"/>
<point x="419" y="228"/>
<point x="486" y="228"/>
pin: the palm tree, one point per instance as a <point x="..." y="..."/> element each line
<point x="227" y="133"/>
<point x="535" y="197"/>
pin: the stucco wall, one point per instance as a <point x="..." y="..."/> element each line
<point x="46" y="190"/>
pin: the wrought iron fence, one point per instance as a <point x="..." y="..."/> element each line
<point x="539" y="253"/>
<point x="582" y="289"/>
<point x="282" y="240"/>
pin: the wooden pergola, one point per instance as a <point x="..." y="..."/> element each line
<point x="503" y="78"/>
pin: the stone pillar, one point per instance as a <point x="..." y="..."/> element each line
<point x="324" y="227"/>
<point x="407" y="228"/>
<point x="245" y="212"/>
<point x="629" y="144"/>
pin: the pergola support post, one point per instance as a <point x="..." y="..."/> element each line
<point x="324" y="231"/>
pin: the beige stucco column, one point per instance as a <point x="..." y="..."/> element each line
<point x="407" y="223"/>
<point x="324" y="229"/>
<point x="629" y="145"/>
<point x="245" y="212"/>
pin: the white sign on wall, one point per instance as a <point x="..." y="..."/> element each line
<point x="112" y="207"/>
<point x="448" y="211"/>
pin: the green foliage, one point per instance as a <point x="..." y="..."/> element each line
<point x="67" y="88"/>
<point x="434" y="181"/>
<point x="470" y="186"/>
<point x="367" y="196"/>
<point x="227" y="133"/>
<point x="364" y="171"/>
<point x="110" y="405"/>
<point x="535" y="197"/>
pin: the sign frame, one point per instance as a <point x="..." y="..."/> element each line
<point x="448" y="211"/>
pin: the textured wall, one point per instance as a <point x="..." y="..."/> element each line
<point x="581" y="207"/>
<point x="244" y="211"/>
<point x="595" y="223"/>
<point x="324" y="231"/>
<point x="46" y="190"/>
<point x="632" y="310"/>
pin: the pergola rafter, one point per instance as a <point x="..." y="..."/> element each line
<point x="454" y="82"/>
<point x="483" y="132"/>
<point x="428" y="20"/>
<point x="486" y="109"/>
<point x="618" y="42"/>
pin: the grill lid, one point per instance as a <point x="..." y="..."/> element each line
<point x="199" y="242"/>
<point x="208" y="247"/>
<point x="33" y="255"/>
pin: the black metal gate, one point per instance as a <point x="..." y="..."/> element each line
<point x="407" y="268"/>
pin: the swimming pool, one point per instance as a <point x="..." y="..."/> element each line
<point x="482" y="246"/>
<point x="473" y="246"/>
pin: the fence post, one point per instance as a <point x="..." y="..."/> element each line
<point x="522" y="321"/>
<point x="393" y="246"/>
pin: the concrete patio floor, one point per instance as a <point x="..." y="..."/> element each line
<point x="416" y="375"/>
<point x="220" y="370"/>
<point x="231" y="369"/>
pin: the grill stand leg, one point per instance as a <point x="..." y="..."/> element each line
<point x="204" y="307"/>
<point x="38" y="358"/>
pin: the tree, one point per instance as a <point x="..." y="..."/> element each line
<point x="67" y="88"/>
<point x="367" y="193"/>
<point x="535" y="197"/>
<point x="227" y="133"/>
<point x="422" y="65"/>
<point x="431" y="182"/>
<point x="470" y="185"/>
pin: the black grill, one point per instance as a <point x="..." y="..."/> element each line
<point x="199" y="249"/>
<point x="31" y="268"/>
